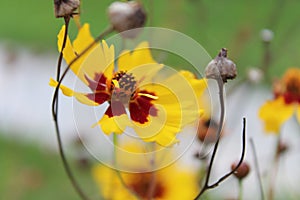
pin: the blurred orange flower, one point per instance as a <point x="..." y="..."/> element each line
<point x="285" y="103"/>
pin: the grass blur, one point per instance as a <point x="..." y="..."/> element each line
<point x="233" y="24"/>
<point x="29" y="172"/>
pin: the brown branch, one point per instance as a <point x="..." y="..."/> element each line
<point x="223" y="178"/>
<point x="55" y="113"/>
<point x="55" y="103"/>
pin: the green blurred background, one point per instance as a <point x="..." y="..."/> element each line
<point x="233" y="24"/>
<point x="29" y="172"/>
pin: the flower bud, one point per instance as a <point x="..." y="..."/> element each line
<point x="255" y="75"/>
<point x="63" y="8"/>
<point x="125" y="16"/>
<point x="221" y="67"/>
<point x="242" y="171"/>
<point x="266" y="35"/>
<point x="207" y="131"/>
<point x="282" y="148"/>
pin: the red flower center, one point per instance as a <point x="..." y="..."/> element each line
<point x="289" y="86"/>
<point x="123" y="87"/>
<point x="291" y="81"/>
<point x="144" y="186"/>
<point x="121" y="92"/>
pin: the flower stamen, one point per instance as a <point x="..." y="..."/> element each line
<point x="148" y="96"/>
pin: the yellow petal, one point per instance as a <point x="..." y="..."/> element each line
<point x="99" y="59"/>
<point x="275" y="113"/>
<point x="81" y="97"/>
<point x="298" y="113"/>
<point x="169" y="179"/>
<point x="141" y="55"/>
<point x="198" y="85"/>
<point x="162" y="128"/>
<point x="116" y="124"/>
<point x="109" y="183"/>
<point x="177" y="105"/>
<point x="68" y="52"/>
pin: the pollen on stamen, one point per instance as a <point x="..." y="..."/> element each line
<point x="148" y="95"/>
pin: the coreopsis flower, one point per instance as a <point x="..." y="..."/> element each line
<point x="285" y="103"/>
<point x="158" y="106"/>
<point x="170" y="183"/>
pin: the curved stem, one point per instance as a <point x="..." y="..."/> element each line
<point x="274" y="172"/>
<point x="262" y="197"/>
<point x="206" y="185"/>
<point x="55" y="113"/>
<point x="55" y="105"/>
<point x="221" y="99"/>
<point x="223" y="178"/>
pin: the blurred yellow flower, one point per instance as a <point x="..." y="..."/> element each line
<point x="170" y="183"/>
<point x="285" y="103"/>
<point x="158" y="106"/>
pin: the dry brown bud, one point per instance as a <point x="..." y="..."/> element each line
<point x="282" y="148"/>
<point x="63" y="8"/>
<point x="207" y="131"/>
<point x="221" y="67"/>
<point x="125" y="16"/>
<point x="242" y="171"/>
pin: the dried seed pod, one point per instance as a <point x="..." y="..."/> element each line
<point x="221" y="67"/>
<point x="242" y="171"/>
<point x="207" y="131"/>
<point x="63" y="8"/>
<point x="282" y="148"/>
<point x="125" y="16"/>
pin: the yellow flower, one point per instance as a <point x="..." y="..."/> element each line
<point x="158" y="106"/>
<point x="169" y="183"/>
<point x="286" y="101"/>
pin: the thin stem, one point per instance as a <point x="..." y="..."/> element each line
<point x="223" y="178"/>
<point x="240" y="189"/>
<point x="221" y="99"/>
<point x="59" y="62"/>
<point x="267" y="58"/>
<point x="257" y="169"/>
<point x="239" y="163"/>
<point x="55" y="106"/>
<point x="55" y="113"/>
<point x="274" y="172"/>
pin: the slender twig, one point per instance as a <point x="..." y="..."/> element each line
<point x="221" y="99"/>
<point x="240" y="189"/>
<point x="257" y="169"/>
<point x="59" y="62"/>
<point x="239" y="163"/>
<point x="223" y="178"/>
<point x="274" y="172"/>
<point x="55" y="104"/>
<point x="55" y="113"/>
